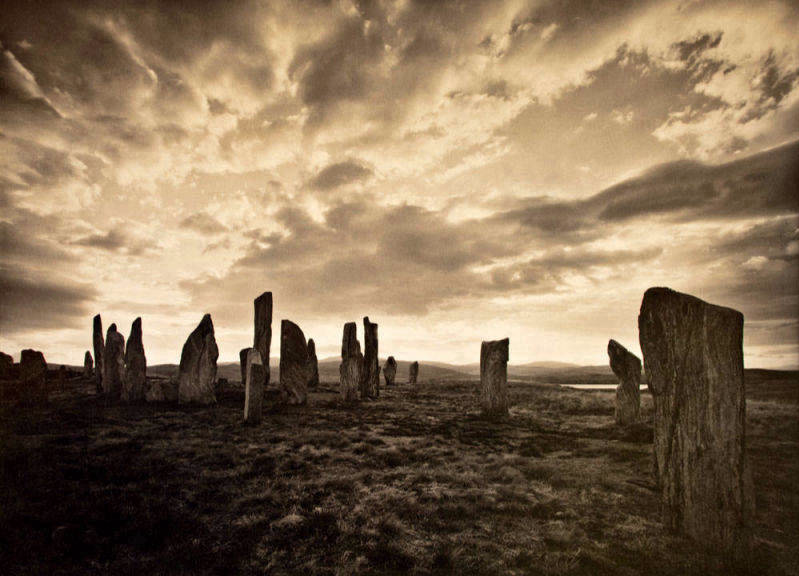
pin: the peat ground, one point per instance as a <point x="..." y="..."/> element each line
<point x="410" y="483"/>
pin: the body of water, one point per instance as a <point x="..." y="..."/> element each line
<point x="596" y="386"/>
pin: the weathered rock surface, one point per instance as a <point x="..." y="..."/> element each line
<point x="197" y="371"/>
<point x="494" y="377"/>
<point x="262" y="340"/>
<point x="33" y="376"/>
<point x="243" y="364"/>
<point x="693" y="358"/>
<point x="293" y="364"/>
<point x="313" y="365"/>
<point x="134" y="385"/>
<point x="370" y="378"/>
<point x="6" y="366"/>
<point x="88" y="365"/>
<point x="390" y="371"/>
<point x="254" y="380"/>
<point x="161" y="390"/>
<point x="413" y="373"/>
<point x="99" y="352"/>
<point x="113" y="364"/>
<point x="627" y="368"/>
<point x="351" y="363"/>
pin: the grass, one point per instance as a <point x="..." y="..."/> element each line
<point x="411" y="483"/>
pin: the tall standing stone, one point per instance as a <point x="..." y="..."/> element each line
<point x="390" y="371"/>
<point x="693" y="358"/>
<point x="413" y="373"/>
<point x="293" y="364"/>
<point x="254" y="379"/>
<point x="351" y="363"/>
<point x="627" y="368"/>
<point x="99" y="352"/>
<point x="370" y="377"/>
<point x="262" y="341"/>
<point x="33" y="376"/>
<point x="197" y="371"/>
<point x="313" y="365"/>
<point x="88" y="365"/>
<point x="243" y="364"/>
<point x="494" y="377"/>
<point x="135" y="382"/>
<point x="6" y="366"/>
<point x="113" y="364"/>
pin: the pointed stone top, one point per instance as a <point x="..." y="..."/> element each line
<point x="206" y="325"/>
<point x="265" y="296"/>
<point x="112" y="328"/>
<point x="311" y="346"/>
<point x="98" y="320"/>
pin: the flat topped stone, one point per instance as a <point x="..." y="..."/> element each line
<point x="262" y="339"/>
<point x="627" y="368"/>
<point x="351" y="363"/>
<point x="6" y="366"/>
<point x="33" y="376"/>
<point x="413" y="372"/>
<point x="254" y="381"/>
<point x="370" y="377"/>
<point x="693" y="357"/>
<point x="135" y="382"/>
<point x="99" y="351"/>
<point x="390" y="371"/>
<point x="197" y="371"/>
<point x="293" y="364"/>
<point x="113" y="364"/>
<point x="494" y="377"/>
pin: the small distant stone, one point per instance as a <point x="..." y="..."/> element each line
<point x="390" y="371"/>
<point x="33" y="376"/>
<point x="88" y="365"/>
<point x="494" y="377"/>
<point x="413" y="373"/>
<point x="313" y="365"/>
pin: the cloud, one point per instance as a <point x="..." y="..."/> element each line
<point x="203" y="223"/>
<point x="117" y="241"/>
<point x="340" y="174"/>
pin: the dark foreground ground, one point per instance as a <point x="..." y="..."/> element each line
<point x="406" y="484"/>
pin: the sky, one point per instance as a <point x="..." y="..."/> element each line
<point x="457" y="171"/>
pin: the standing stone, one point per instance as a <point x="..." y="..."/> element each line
<point x="293" y="364"/>
<point x="313" y="365"/>
<point x="243" y="363"/>
<point x="494" y="377"/>
<point x="693" y="357"/>
<point x="197" y="371"/>
<point x="351" y="363"/>
<point x="254" y="379"/>
<point x="33" y="376"/>
<point x="113" y="364"/>
<point x="99" y="352"/>
<point x="62" y="377"/>
<point x="390" y="371"/>
<point x="627" y="368"/>
<point x="135" y="366"/>
<point x="262" y="340"/>
<point x="370" y="379"/>
<point x="88" y="365"/>
<point x="413" y="373"/>
<point x="6" y="366"/>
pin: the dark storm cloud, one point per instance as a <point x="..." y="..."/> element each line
<point x="117" y="241"/>
<point x="203" y="223"/>
<point x="339" y="174"/>
<point x="31" y="303"/>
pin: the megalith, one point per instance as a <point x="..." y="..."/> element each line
<point x="262" y="340"/>
<point x="113" y="364"/>
<point x="33" y="376"/>
<point x="99" y="352"/>
<point x="390" y="371"/>
<point x="88" y="365"/>
<point x="627" y="368"/>
<point x="197" y="371"/>
<point x="313" y="365"/>
<point x="413" y="373"/>
<point x="494" y="377"/>
<point x="370" y="377"/>
<point x="293" y="364"/>
<point x="135" y="365"/>
<point x="693" y="360"/>
<point x="6" y="366"/>
<point x="351" y="363"/>
<point x="254" y="379"/>
<point x="243" y="364"/>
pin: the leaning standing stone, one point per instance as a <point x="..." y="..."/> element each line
<point x="413" y="373"/>
<point x="390" y="371"/>
<point x="88" y="365"/>
<point x="351" y="363"/>
<point x="494" y="377"/>
<point x="313" y="365"/>
<point x="627" y="368"/>
<point x="262" y="340"/>
<point x="135" y="365"/>
<point x="254" y="379"/>
<point x="293" y="364"/>
<point x="197" y="371"/>
<point x="33" y="376"/>
<point x="99" y="352"/>
<point x="113" y="364"/>
<point x="693" y="357"/>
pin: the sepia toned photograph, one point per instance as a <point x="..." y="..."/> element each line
<point x="384" y="287"/>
